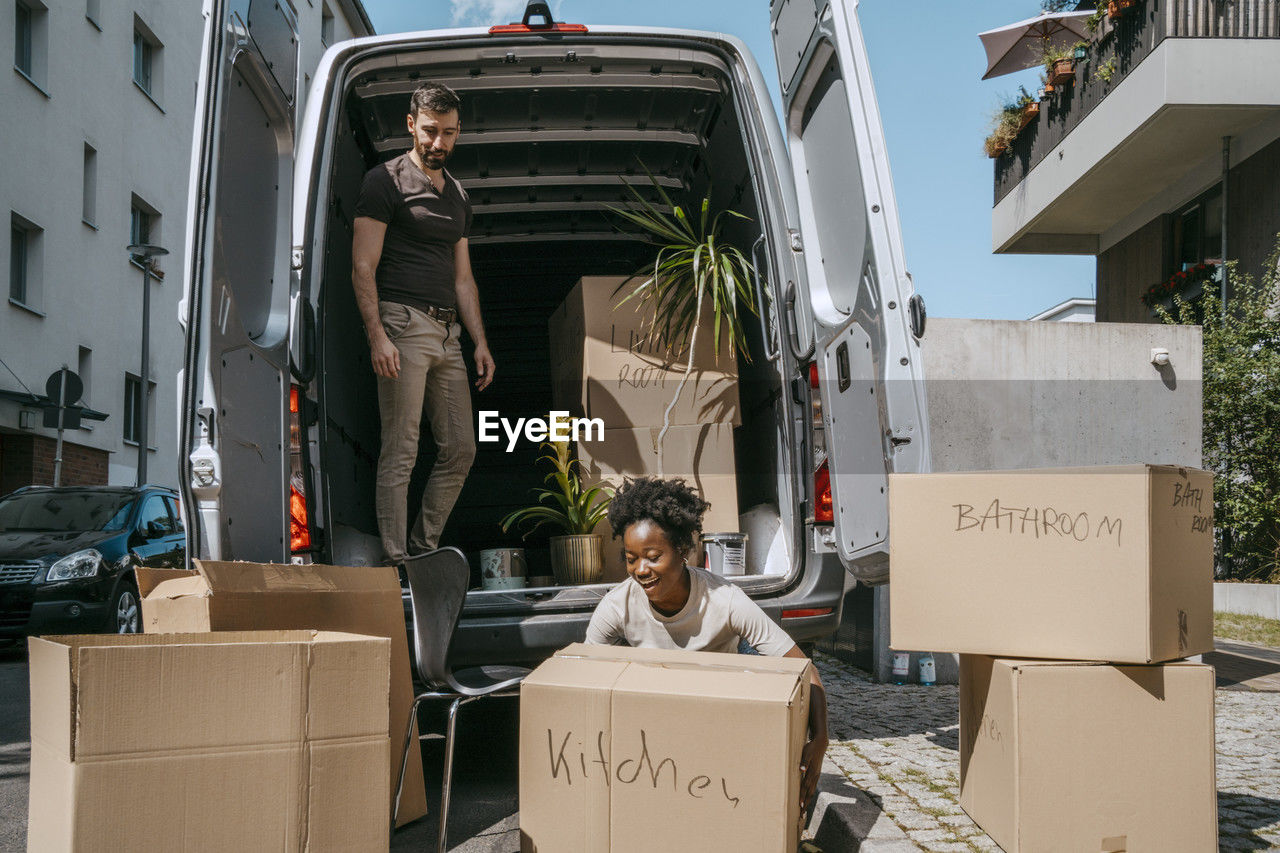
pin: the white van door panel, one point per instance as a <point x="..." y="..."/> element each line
<point x="236" y="299"/>
<point x="857" y="284"/>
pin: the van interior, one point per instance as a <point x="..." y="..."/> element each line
<point x="549" y="135"/>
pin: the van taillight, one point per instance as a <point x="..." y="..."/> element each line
<point x="823" y="508"/>
<point x="521" y="29"/>
<point x="813" y="375"/>
<point x="299" y="532"/>
<point x="294" y="393"/>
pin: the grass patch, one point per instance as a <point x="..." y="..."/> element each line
<point x="1247" y="629"/>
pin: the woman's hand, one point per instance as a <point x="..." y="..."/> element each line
<point x="811" y="771"/>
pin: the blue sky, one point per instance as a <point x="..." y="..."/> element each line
<point x="926" y="61"/>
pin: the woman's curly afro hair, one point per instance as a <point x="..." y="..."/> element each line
<point x="669" y="503"/>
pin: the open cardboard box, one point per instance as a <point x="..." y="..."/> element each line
<point x="625" y="750"/>
<point x="222" y="596"/>
<point x="268" y="740"/>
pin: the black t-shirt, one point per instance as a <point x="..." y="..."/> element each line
<point x="423" y="225"/>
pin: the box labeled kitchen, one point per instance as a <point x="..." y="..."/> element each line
<point x="612" y="739"/>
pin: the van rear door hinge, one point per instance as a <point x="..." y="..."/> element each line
<point x="295" y="258"/>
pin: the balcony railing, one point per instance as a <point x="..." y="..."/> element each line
<point x="1116" y="51"/>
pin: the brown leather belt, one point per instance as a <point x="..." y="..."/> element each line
<point x="444" y="315"/>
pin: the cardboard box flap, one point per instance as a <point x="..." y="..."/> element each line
<point x="676" y="658"/>
<point x="169" y="583"/>
<point x="52" y="694"/>
<point x="295" y="578"/>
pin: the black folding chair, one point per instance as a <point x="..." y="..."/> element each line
<point x="437" y="589"/>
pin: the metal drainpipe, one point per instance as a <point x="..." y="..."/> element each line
<point x="1226" y="170"/>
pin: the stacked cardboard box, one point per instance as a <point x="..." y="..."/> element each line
<point x="1071" y="595"/>
<point x="621" y="751"/>
<point x="213" y="741"/>
<point x="606" y="363"/>
<point x="225" y="596"/>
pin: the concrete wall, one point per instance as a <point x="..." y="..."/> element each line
<point x="1252" y="599"/>
<point x="1005" y="394"/>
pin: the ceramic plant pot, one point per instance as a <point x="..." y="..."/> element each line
<point x="578" y="559"/>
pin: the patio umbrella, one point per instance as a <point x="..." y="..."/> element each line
<point x="1018" y="46"/>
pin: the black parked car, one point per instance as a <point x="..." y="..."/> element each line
<point x="67" y="556"/>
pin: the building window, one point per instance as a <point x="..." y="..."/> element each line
<point x="29" y="39"/>
<point x="135" y="408"/>
<point x="1197" y="232"/>
<point x="147" y="53"/>
<point x="23" y="35"/>
<point x="18" y="264"/>
<point x="144" y="222"/>
<point x="84" y="367"/>
<point x="326" y="25"/>
<point x="90" y="190"/>
<point x="24" y="262"/>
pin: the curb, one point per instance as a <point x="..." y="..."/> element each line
<point x="846" y="819"/>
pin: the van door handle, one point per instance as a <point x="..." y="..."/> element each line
<point x="793" y="333"/>
<point x="772" y="351"/>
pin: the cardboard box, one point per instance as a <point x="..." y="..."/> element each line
<point x="703" y="455"/>
<point x="1075" y="756"/>
<point x="220" y="596"/>
<point x="620" y="746"/>
<point x="273" y="740"/>
<point x="1106" y="563"/>
<point x="606" y="363"/>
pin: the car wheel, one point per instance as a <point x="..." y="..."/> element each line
<point x="126" y="612"/>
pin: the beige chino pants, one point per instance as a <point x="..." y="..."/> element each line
<point x="433" y="378"/>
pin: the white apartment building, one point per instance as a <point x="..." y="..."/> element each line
<point x="99" y="116"/>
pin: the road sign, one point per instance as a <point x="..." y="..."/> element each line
<point x="64" y="387"/>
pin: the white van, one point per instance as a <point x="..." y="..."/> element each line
<point x="279" y="414"/>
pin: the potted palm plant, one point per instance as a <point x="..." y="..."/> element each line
<point x="693" y="266"/>
<point x="577" y="556"/>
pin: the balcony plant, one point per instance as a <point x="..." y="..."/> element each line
<point x="1187" y="284"/>
<point x="577" y="556"/>
<point x="693" y="266"/>
<point x="1007" y="122"/>
<point x="1059" y="62"/>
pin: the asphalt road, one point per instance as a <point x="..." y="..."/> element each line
<point x="482" y="818"/>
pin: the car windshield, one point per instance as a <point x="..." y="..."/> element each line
<point x="65" y="511"/>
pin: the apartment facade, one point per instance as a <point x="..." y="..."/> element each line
<point x="1161" y="155"/>
<point x="99" y="110"/>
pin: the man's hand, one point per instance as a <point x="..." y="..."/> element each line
<point x="484" y="367"/>
<point x="385" y="357"/>
<point x="811" y="770"/>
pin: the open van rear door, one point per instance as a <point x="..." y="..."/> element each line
<point x="868" y="322"/>
<point x="235" y="383"/>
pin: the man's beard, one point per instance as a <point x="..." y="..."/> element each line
<point x="433" y="161"/>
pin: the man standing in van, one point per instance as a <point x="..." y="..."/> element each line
<point x="413" y="282"/>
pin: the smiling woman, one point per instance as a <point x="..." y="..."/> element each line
<point x="666" y="604"/>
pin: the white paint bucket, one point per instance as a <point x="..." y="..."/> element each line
<point x="725" y="553"/>
<point x="502" y="568"/>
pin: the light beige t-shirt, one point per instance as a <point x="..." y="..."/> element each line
<point x="716" y="617"/>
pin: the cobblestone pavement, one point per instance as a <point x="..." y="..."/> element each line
<point x="899" y="749"/>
